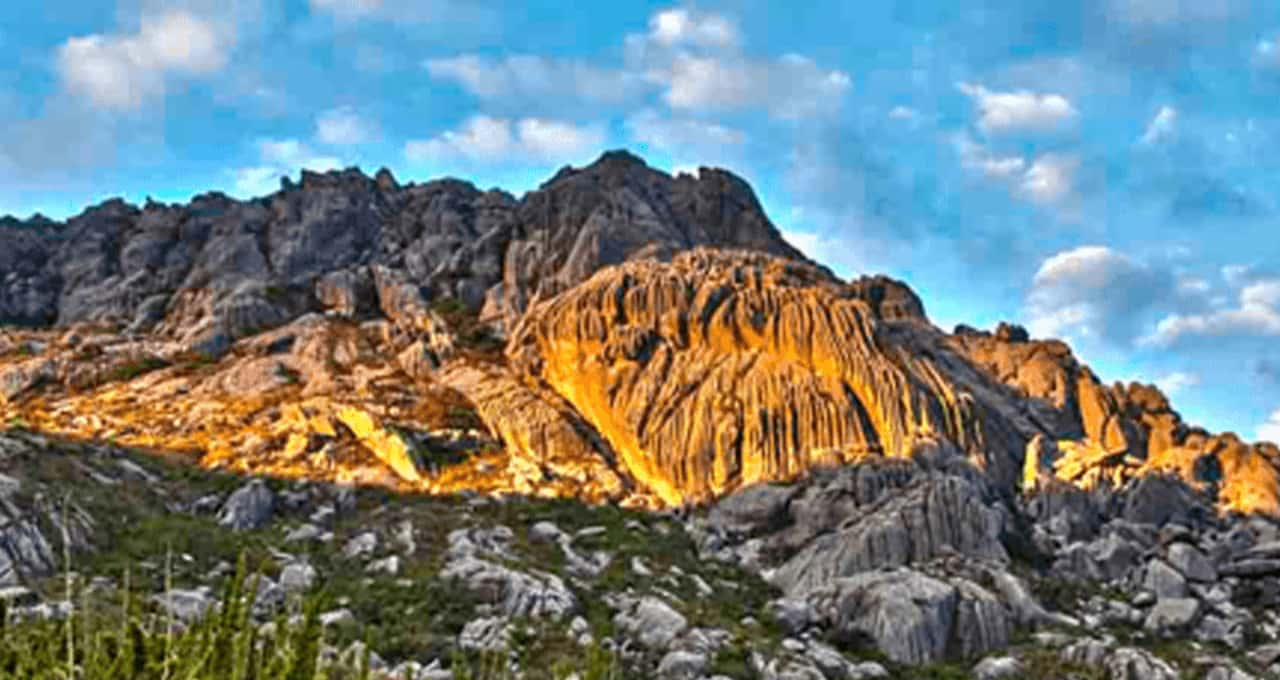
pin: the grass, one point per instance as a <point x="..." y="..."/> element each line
<point x="133" y="369"/>
<point x="132" y="640"/>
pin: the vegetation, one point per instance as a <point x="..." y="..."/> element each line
<point x="133" y="369"/>
<point x="133" y="642"/>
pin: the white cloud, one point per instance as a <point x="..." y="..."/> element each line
<point x="1176" y="382"/>
<point x="123" y="71"/>
<point x="1051" y="178"/>
<point x="1269" y="431"/>
<point x="1092" y="292"/>
<point x="904" y="113"/>
<point x="1235" y="274"/>
<point x="279" y="158"/>
<point x="1257" y="314"/>
<point x="1161" y="127"/>
<point x="791" y="87"/>
<point x="677" y="134"/>
<point x="488" y="138"/>
<point x="343" y="126"/>
<point x="528" y="76"/>
<point x="676" y="27"/>
<point x="1021" y="110"/>
<point x="1193" y="285"/>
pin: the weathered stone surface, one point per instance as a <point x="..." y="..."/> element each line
<point x="249" y="507"/>
<point x="513" y="592"/>
<point x="935" y="517"/>
<point x="910" y="616"/>
<point x="1172" y="615"/>
<point x="652" y="622"/>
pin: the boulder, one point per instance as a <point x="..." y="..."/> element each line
<point x="249" y="507"/>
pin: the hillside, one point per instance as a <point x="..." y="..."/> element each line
<point x="750" y="467"/>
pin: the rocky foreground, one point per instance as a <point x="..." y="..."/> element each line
<point x="618" y="428"/>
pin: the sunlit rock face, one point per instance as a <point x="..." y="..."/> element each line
<point x="721" y="369"/>
<point x="617" y="335"/>
<point x="1113" y="435"/>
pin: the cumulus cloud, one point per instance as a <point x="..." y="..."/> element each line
<point x="790" y="87"/>
<point x="121" y="71"/>
<point x="1050" y="178"/>
<point x="675" y="134"/>
<point x="1161" y="127"/>
<point x="1256" y="313"/>
<point x="279" y="158"/>
<point x="680" y="26"/>
<point x="1093" y="293"/>
<point x="343" y="126"/>
<point x="528" y="76"/>
<point x="1018" y="111"/>
<point x="1269" y="431"/>
<point x="1176" y="382"/>
<point x="487" y="138"/>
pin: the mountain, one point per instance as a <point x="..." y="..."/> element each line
<point x="625" y="338"/>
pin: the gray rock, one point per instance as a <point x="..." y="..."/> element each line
<point x="337" y="617"/>
<point x="1172" y="615"/>
<point x="793" y="615"/>
<point x="1164" y="581"/>
<point x="1191" y="562"/>
<point x="939" y="515"/>
<point x="486" y="634"/>
<point x="1130" y="663"/>
<point x="360" y="545"/>
<point x="1089" y="652"/>
<point x="297" y="577"/>
<point x="186" y="606"/>
<point x="681" y="665"/>
<point x="995" y="667"/>
<point x="651" y="621"/>
<point x="389" y="565"/>
<point x="908" y="615"/>
<point x="249" y="507"/>
<point x="514" y="593"/>
<point x="981" y="621"/>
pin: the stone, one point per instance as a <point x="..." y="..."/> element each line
<point x="249" y="507"/>
<point x="681" y="665"/>
<point x="361" y="545"/>
<point x="1131" y="663"/>
<point x="651" y="621"/>
<point x="1172" y="615"/>
<point x="1164" y="581"/>
<point x="1192" y="563"/>
<point x="996" y="667"/>
<point x="187" y="606"/>
<point x="909" y="616"/>
<point x="297" y="577"/>
<point x="486" y="634"/>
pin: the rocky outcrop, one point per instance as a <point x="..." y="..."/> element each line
<point x="722" y="369"/>
<point x="216" y="269"/>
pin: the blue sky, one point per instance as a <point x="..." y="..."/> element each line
<point x="1101" y="170"/>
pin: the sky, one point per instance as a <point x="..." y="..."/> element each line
<point x="1103" y="171"/>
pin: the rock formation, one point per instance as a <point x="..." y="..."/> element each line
<point x="622" y="336"/>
